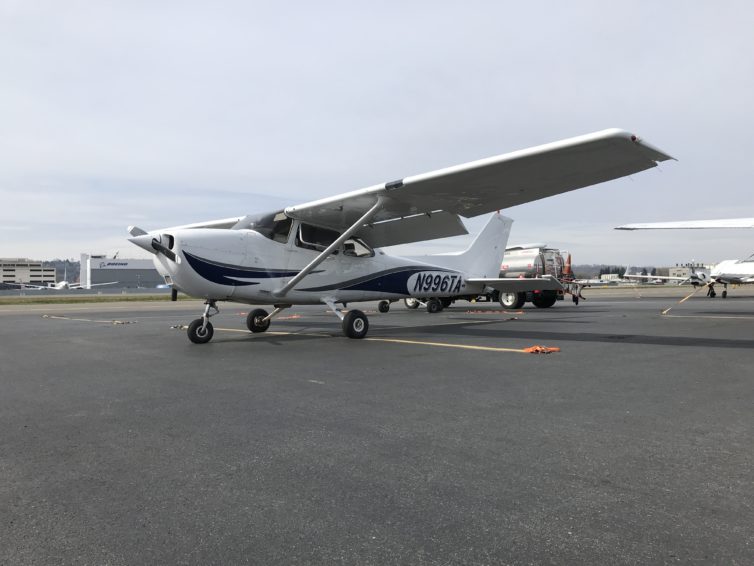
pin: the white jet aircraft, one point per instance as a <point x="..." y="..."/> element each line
<point x="328" y="251"/>
<point x="729" y="271"/>
<point x="59" y="286"/>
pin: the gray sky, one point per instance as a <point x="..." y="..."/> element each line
<point x="164" y="113"/>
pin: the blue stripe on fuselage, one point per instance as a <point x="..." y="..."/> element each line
<point x="226" y="274"/>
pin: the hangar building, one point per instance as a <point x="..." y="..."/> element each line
<point x="129" y="273"/>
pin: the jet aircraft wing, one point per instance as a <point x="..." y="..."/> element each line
<point x="691" y="224"/>
<point x="491" y="184"/>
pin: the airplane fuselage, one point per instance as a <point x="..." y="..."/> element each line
<point x="734" y="271"/>
<point x="247" y="267"/>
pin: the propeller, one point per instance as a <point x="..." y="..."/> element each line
<point x="158" y="246"/>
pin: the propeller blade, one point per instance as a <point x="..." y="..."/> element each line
<point x="157" y="245"/>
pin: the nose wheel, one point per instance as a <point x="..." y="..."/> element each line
<point x="200" y="331"/>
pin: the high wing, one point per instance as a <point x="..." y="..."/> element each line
<point x="487" y="185"/>
<point x="691" y="224"/>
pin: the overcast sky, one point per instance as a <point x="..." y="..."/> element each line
<point x="164" y="113"/>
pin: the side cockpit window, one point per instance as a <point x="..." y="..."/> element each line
<point x="315" y="238"/>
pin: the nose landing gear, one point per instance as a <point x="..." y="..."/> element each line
<point x="200" y="331"/>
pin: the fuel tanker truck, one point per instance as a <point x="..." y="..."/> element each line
<point x="534" y="260"/>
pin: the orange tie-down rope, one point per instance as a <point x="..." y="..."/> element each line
<point x="541" y="350"/>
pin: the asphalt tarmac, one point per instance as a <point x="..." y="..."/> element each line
<point x="436" y="440"/>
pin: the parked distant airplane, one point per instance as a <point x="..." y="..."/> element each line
<point x="327" y="251"/>
<point x="59" y="286"/>
<point x="729" y="271"/>
<point x="696" y="278"/>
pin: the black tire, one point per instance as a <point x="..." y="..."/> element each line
<point x="446" y="302"/>
<point x="434" y="306"/>
<point x="254" y="320"/>
<point x="383" y="306"/>
<point x="724" y="294"/>
<point x="512" y="300"/>
<point x="544" y="300"/>
<point x="411" y="303"/>
<point x="197" y="335"/>
<point x="355" y="324"/>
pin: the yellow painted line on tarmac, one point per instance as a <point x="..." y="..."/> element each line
<point x="448" y="345"/>
<point x="110" y="321"/>
<point x="390" y="340"/>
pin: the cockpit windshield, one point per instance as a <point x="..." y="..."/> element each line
<point x="276" y="226"/>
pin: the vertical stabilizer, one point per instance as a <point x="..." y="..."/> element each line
<point x="483" y="257"/>
<point x="485" y="254"/>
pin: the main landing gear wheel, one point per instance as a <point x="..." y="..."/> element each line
<point x="512" y="300"/>
<point x="383" y="306"/>
<point x="411" y="303"/>
<point x="434" y="306"/>
<point x="724" y="294"/>
<point x="199" y="332"/>
<point x="255" y="320"/>
<point x="355" y="324"/>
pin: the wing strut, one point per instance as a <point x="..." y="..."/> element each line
<point x="330" y="249"/>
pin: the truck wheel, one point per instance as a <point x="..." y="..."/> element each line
<point x="544" y="300"/>
<point x="512" y="300"/>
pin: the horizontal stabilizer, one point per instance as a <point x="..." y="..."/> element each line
<point x="520" y="285"/>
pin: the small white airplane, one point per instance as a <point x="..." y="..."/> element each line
<point x="59" y="286"/>
<point x="328" y="251"/>
<point x="698" y="277"/>
<point x="729" y="271"/>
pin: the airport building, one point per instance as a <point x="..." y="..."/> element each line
<point x="21" y="270"/>
<point x="128" y="273"/>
